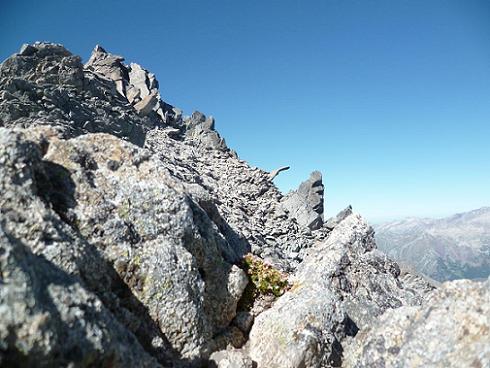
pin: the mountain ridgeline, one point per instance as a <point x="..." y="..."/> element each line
<point x="456" y="247"/>
<point x="132" y="236"/>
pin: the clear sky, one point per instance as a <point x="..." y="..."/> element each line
<point x="389" y="99"/>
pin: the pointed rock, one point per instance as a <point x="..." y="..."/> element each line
<point x="306" y="203"/>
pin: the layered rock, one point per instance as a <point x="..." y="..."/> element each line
<point x="139" y="86"/>
<point x="306" y="203"/>
<point x="123" y="229"/>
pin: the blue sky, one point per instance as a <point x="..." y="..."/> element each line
<point x="390" y="99"/>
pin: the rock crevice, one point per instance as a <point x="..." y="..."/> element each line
<point x="125" y="230"/>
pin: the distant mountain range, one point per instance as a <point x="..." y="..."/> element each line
<point x="450" y="248"/>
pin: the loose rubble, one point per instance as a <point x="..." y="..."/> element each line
<point x="126" y="228"/>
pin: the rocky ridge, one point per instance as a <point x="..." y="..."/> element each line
<point x="124" y="225"/>
<point x="445" y="249"/>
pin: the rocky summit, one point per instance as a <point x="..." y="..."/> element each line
<point x="132" y="236"/>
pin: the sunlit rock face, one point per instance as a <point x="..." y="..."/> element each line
<point x="124" y="226"/>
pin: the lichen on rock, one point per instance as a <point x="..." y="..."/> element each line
<point x="132" y="236"/>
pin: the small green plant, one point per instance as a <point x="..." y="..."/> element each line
<point x="264" y="278"/>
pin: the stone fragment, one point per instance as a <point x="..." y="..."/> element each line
<point x="333" y="221"/>
<point x="244" y="320"/>
<point x="200" y="130"/>
<point x="306" y="203"/>
<point x="146" y="105"/>
<point x="276" y="172"/>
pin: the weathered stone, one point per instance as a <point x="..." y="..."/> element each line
<point x="27" y="50"/>
<point x="244" y="320"/>
<point x="231" y="358"/>
<point x="306" y="203"/>
<point x="110" y="66"/>
<point x="116" y="255"/>
<point x="276" y="172"/>
<point x="48" y="314"/>
<point x="331" y="290"/>
<point x="334" y="221"/>
<point x="138" y="77"/>
<point x="146" y="105"/>
<point x="451" y="330"/>
<point x="200" y="131"/>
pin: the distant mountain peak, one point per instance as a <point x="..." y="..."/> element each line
<point x="453" y="247"/>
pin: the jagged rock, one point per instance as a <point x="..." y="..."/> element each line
<point x="340" y="284"/>
<point x="133" y="82"/>
<point x="450" y="330"/>
<point x="168" y="252"/>
<point x="27" y="50"/>
<point x="306" y="203"/>
<point x="276" y="172"/>
<point x="110" y="66"/>
<point x="123" y="236"/>
<point x="146" y="105"/>
<point x="144" y="81"/>
<point x="51" y="88"/>
<point x="48" y="315"/>
<point x="200" y="131"/>
<point x="334" y="221"/>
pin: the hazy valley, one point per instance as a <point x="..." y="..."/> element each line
<point x="450" y="248"/>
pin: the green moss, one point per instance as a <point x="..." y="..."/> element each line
<point x="124" y="210"/>
<point x="264" y="280"/>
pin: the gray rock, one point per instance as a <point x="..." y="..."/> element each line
<point x="139" y="78"/>
<point x="52" y="88"/>
<point x="334" y="221"/>
<point x="119" y="254"/>
<point x="133" y="82"/>
<point x="200" y="132"/>
<point x="244" y="320"/>
<point x="451" y="330"/>
<point x="27" y="50"/>
<point x="48" y="314"/>
<point x="230" y="359"/>
<point x="167" y="251"/>
<point x="146" y="105"/>
<point x="276" y="172"/>
<point x="110" y="66"/>
<point x="306" y="203"/>
<point x="340" y="286"/>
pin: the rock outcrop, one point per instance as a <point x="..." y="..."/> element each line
<point x="451" y="330"/>
<point x="306" y="203"/>
<point x="341" y="286"/>
<point x="133" y="236"/>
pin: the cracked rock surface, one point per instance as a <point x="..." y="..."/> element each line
<point x="123" y="231"/>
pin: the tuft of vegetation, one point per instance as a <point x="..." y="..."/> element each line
<point x="264" y="278"/>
